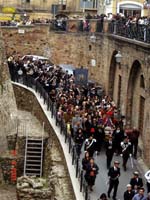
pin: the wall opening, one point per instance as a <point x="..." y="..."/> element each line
<point x="112" y="72"/>
<point x="135" y="98"/>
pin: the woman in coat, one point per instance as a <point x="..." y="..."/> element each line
<point x="91" y="172"/>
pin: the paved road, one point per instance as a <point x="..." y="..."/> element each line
<point x="102" y="178"/>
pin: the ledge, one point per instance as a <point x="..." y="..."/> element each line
<point x="131" y="41"/>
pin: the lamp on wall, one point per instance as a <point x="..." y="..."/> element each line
<point x="93" y="38"/>
<point x="118" y="57"/>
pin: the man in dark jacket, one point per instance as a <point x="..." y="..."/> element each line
<point x="109" y="151"/>
<point x="136" y="181"/>
<point x="128" y="194"/>
<point x="90" y="145"/>
<point x="126" y="151"/>
<point x="114" y="174"/>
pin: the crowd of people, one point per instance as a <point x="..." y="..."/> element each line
<point x="92" y="121"/>
<point x="134" y="27"/>
<point x="24" y="22"/>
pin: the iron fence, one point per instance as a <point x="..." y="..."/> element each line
<point x="140" y="32"/>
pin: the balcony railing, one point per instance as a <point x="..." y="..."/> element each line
<point x="135" y="31"/>
<point x="139" y="32"/>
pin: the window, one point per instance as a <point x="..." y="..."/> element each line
<point x="88" y="4"/>
<point x="62" y="2"/>
<point x="142" y="84"/>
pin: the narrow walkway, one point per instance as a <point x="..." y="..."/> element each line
<point x="102" y="178"/>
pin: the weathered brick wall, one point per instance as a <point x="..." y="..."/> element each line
<point x="7" y="101"/>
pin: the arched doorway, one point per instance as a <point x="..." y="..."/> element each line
<point x="112" y="72"/>
<point x="136" y="97"/>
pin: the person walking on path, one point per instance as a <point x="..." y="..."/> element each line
<point x="91" y="173"/>
<point x="147" y="176"/>
<point x="109" y="151"/>
<point x="140" y="195"/>
<point x="136" y="181"/>
<point x="126" y="151"/>
<point x="128" y="194"/>
<point x="114" y="174"/>
<point x="90" y="145"/>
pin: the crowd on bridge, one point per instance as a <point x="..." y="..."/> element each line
<point x="93" y="122"/>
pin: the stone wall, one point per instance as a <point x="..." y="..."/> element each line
<point x="54" y="161"/>
<point x="8" y="169"/>
<point x="33" y="188"/>
<point x="7" y="101"/>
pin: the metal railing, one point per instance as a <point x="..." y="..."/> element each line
<point x="135" y="31"/>
<point x="139" y="32"/>
<point x="76" y="26"/>
<point x="30" y="82"/>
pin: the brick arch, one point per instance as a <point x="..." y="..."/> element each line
<point x="133" y="83"/>
<point x="112" y="72"/>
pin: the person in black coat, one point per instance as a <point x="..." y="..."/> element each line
<point x="109" y="151"/>
<point x="118" y="136"/>
<point x="126" y="151"/>
<point x="85" y="160"/>
<point x="91" y="172"/>
<point x="114" y="174"/>
<point x="79" y="139"/>
<point x="90" y="145"/>
<point x="128" y="194"/>
<point x="136" y="181"/>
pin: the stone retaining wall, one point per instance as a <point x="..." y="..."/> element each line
<point x="54" y="162"/>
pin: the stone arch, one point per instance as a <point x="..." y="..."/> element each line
<point x="112" y="71"/>
<point x="135" y="96"/>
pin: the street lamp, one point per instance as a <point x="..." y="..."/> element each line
<point x="118" y="57"/>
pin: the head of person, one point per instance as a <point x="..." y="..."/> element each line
<point x="135" y="187"/>
<point x="118" y="129"/>
<point x="91" y="137"/>
<point x="136" y="174"/>
<point x="103" y="196"/>
<point x="92" y="161"/>
<point x="141" y="191"/>
<point x="126" y="139"/>
<point x="87" y="155"/>
<point x="116" y="163"/>
<point x="129" y="187"/>
<point x="80" y="131"/>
